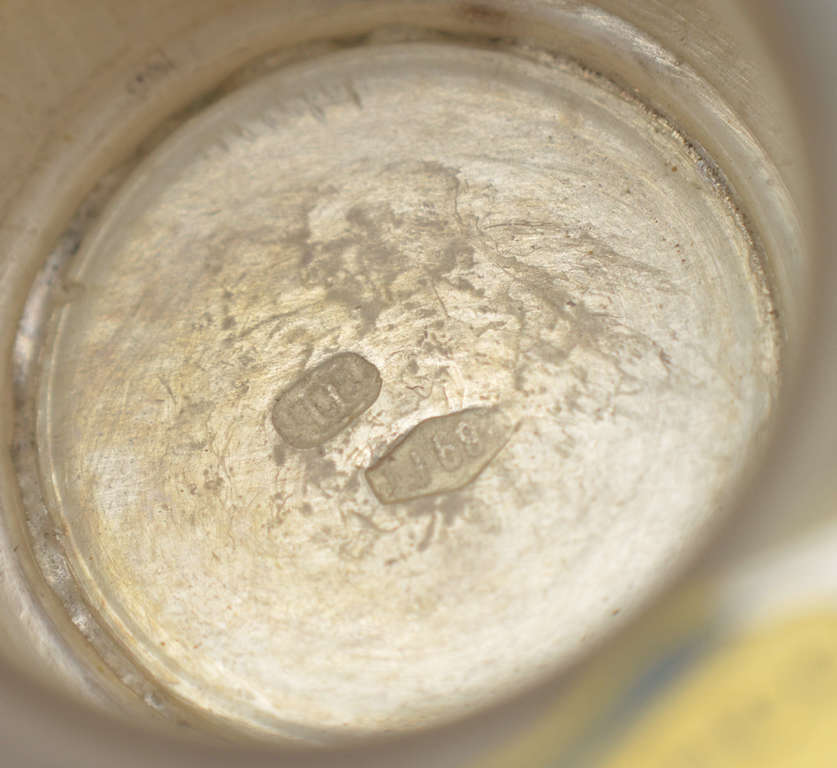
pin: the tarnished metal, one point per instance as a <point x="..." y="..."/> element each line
<point x="326" y="399"/>
<point x="352" y="613"/>
<point x="483" y="259"/>
<point x="441" y="454"/>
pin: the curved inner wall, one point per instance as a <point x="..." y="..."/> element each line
<point x="566" y="351"/>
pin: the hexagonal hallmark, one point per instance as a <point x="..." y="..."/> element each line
<point x="440" y="454"/>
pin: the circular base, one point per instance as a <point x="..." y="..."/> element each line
<point x="394" y="378"/>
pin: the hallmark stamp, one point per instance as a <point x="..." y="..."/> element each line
<point x="326" y="399"/>
<point x="440" y="454"/>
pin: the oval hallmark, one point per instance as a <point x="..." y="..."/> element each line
<point x="326" y="399"/>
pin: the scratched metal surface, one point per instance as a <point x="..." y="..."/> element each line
<point x="486" y="229"/>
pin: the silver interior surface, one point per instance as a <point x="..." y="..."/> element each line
<point x="113" y="394"/>
<point x="489" y="229"/>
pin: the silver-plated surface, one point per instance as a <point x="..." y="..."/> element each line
<point x="486" y="227"/>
